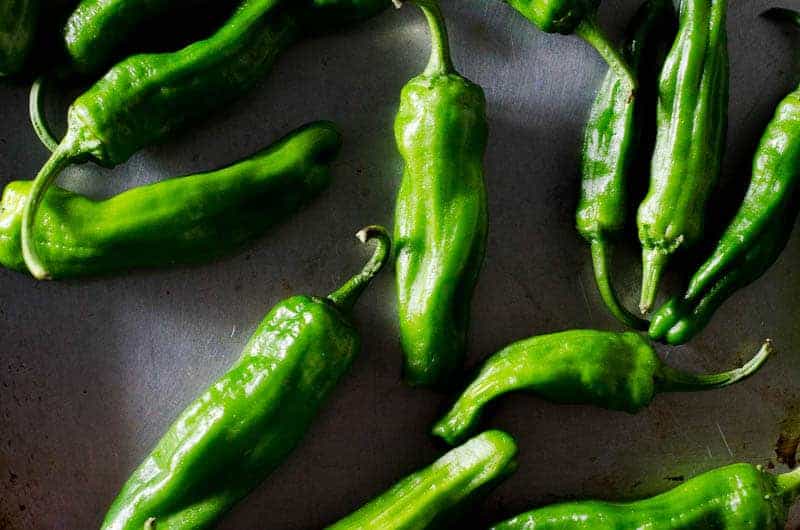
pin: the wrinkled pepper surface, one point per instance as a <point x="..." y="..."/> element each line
<point x="441" y="214"/>
<point x="692" y="125"/>
<point x="183" y="220"/>
<point x="757" y="234"/>
<point x="18" y="21"/>
<point x="735" y="497"/>
<point x="609" y="145"/>
<point x="433" y="496"/>
<point x="617" y="371"/>
<point x="240" y="429"/>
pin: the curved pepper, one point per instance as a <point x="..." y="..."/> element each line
<point x="579" y="17"/>
<point x="616" y="371"/>
<point x="183" y="220"/>
<point x="240" y="429"/>
<point x="18" y="21"/>
<point x="424" y="499"/>
<point x="692" y="123"/>
<point x="610" y="137"/>
<point x="441" y="214"/>
<point x="735" y="497"/>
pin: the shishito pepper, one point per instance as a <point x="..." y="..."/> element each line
<point x="441" y="213"/>
<point x="18" y="21"/>
<point x="616" y="371"/>
<point x="757" y="234"/>
<point x="183" y="220"/>
<point x="240" y="429"/>
<point x="692" y="123"/>
<point x="735" y="497"/>
<point x="610" y="141"/>
<point x="433" y="496"/>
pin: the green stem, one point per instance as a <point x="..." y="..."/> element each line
<point x="590" y="31"/>
<point x="653" y="262"/>
<point x="60" y="159"/>
<point x="671" y="380"/>
<point x="789" y="485"/>
<point x="346" y="296"/>
<point x="37" y="114"/>
<point x="440" y="62"/>
<point x="602" y="276"/>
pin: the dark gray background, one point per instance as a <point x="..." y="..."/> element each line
<point x="91" y="373"/>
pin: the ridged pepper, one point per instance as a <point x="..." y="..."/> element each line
<point x="441" y="214"/>
<point x="609" y="144"/>
<point x="616" y="371"/>
<point x="183" y="220"/>
<point x="735" y="497"/>
<point x="579" y="17"/>
<point x="433" y="496"/>
<point x="692" y="125"/>
<point x="18" y="21"/>
<point x="240" y="429"/>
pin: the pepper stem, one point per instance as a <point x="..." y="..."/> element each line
<point x="789" y="485"/>
<point x="60" y="159"/>
<point x="346" y="296"/>
<point x="37" y="115"/>
<point x="591" y="32"/>
<point x="669" y="379"/>
<point x="653" y="262"/>
<point x="440" y="61"/>
<point x="602" y="276"/>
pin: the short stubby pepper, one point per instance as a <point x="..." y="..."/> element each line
<point x="240" y="429"/>
<point x="432" y="497"/>
<point x="735" y="497"/>
<point x="441" y="213"/>
<point x="183" y="220"/>
<point x="18" y="21"/>
<point x="757" y="234"/>
<point x="609" y="144"/>
<point x="579" y="17"/>
<point x="692" y="125"/>
<point x="616" y="371"/>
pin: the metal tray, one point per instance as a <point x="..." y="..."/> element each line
<point x="92" y="372"/>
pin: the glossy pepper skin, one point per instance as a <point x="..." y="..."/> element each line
<point x="735" y="497"/>
<point x="609" y="144"/>
<point x="692" y="124"/>
<point x="18" y="21"/>
<point x="579" y="17"/>
<point x="426" y="499"/>
<point x="241" y="428"/>
<point x="441" y="214"/>
<point x="183" y="220"/>
<point x="616" y="371"/>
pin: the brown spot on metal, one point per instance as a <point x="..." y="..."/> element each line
<point x="786" y="449"/>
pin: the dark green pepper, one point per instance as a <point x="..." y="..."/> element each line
<point x="428" y="498"/>
<point x="183" y="220"/>
<point x="692" y="124"/>
<point x="609" y="143"/>
<point x="226" y="442"/>
<point x="18" y="21"/>
<point x="579" y="17"/>
<point x="441" y="214"/>
<point x="616" y="371"/>
<point x="735" y="497"/>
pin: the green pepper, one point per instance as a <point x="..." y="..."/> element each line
<point x="609" y="144"/>
<point x="441" y="213"/>
<point x="18" y="20"/>
<point x="692" y="123"/>
<point x="428" y="498"/>
<point x="616" y="371"/>
<point x="240" y="429"/>
<point x="184" y="220"/>
<point x="579" y="17"/>
<point x="735" y="497"/>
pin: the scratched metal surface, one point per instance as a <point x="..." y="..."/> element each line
<point x="91" y="373"/>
